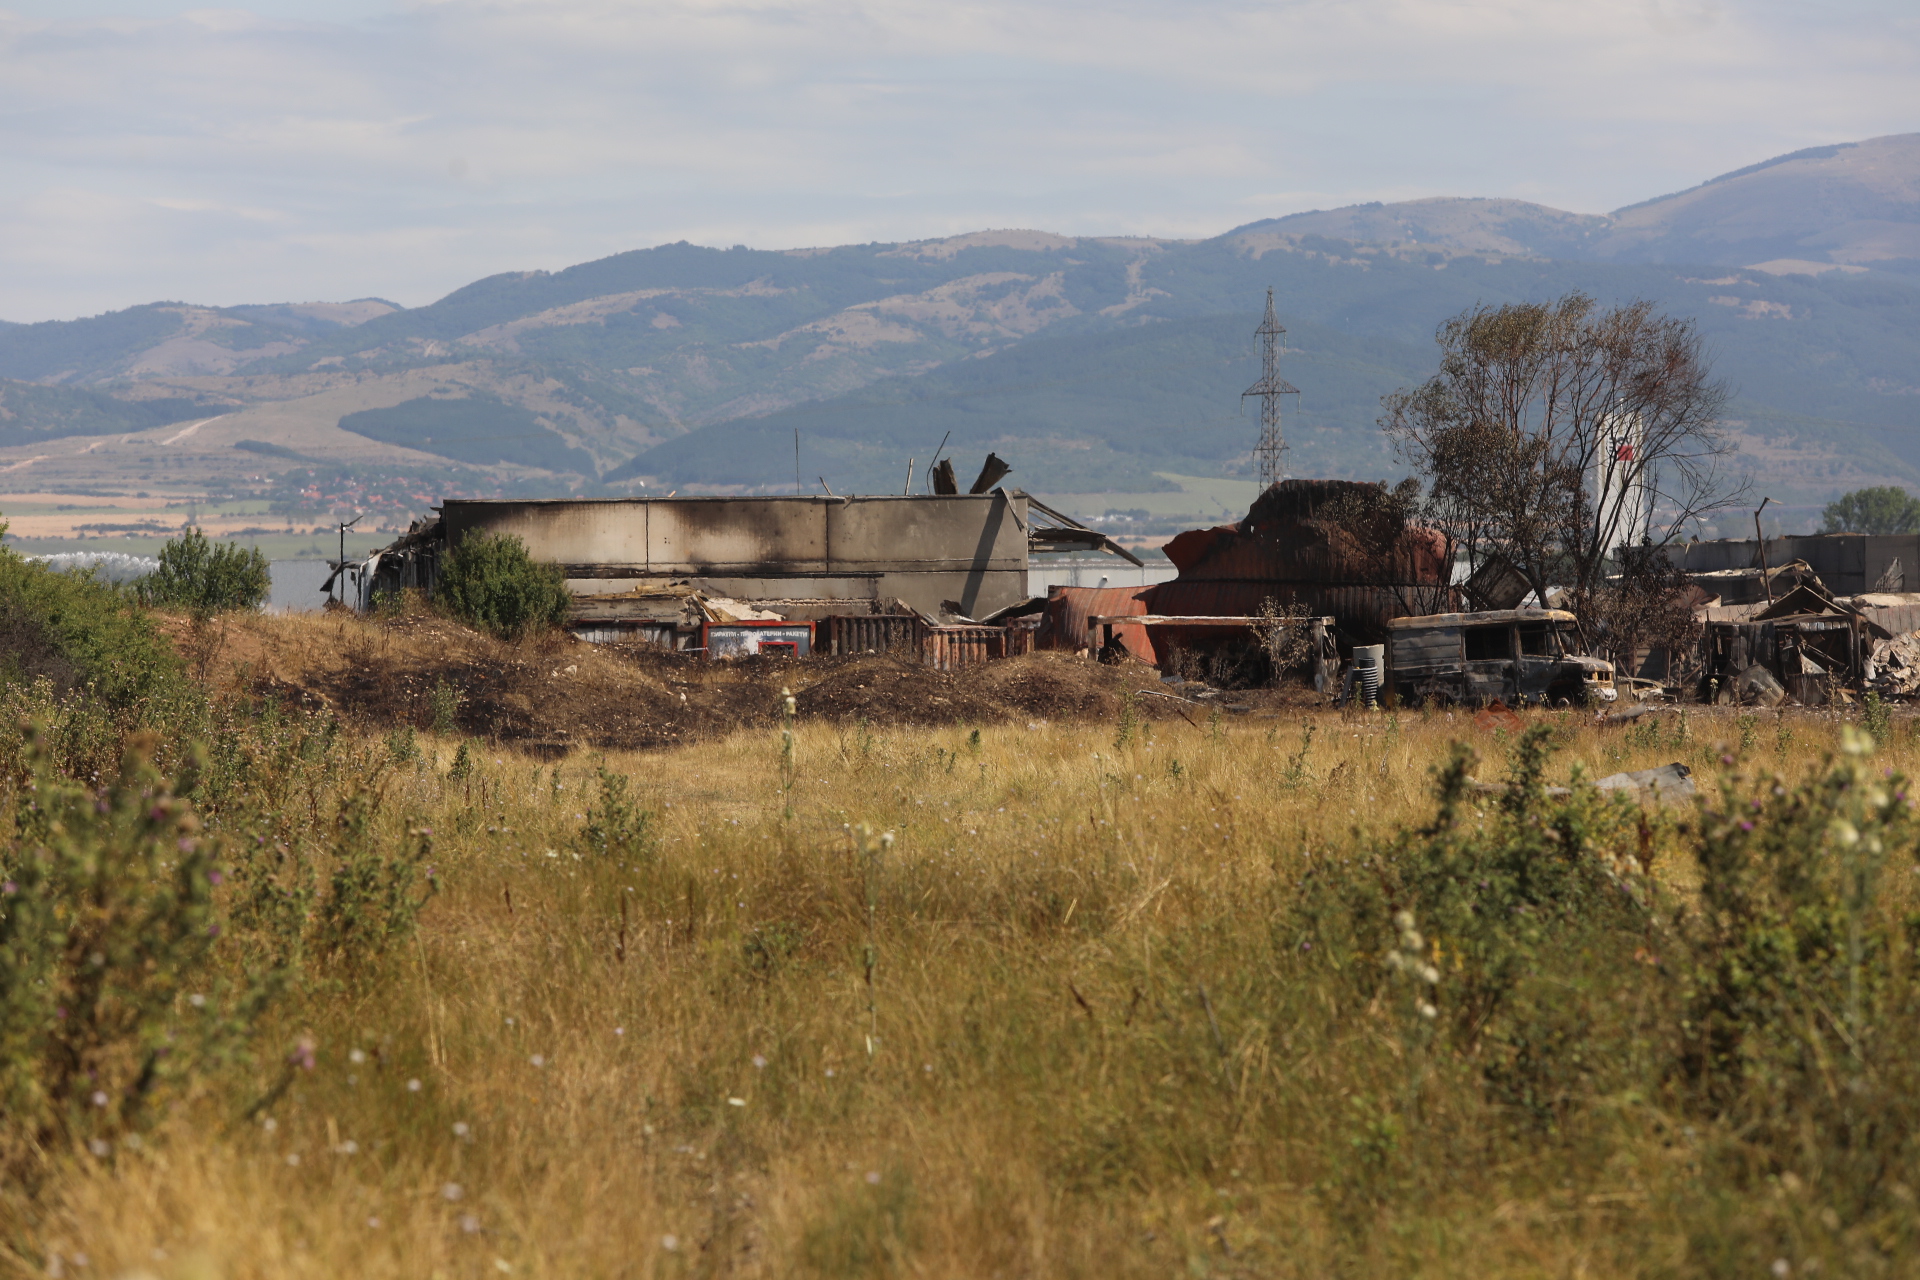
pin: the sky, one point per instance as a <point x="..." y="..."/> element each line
<point x="292" y="150"/>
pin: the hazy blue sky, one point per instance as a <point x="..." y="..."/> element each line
<point x="297" y="150"/>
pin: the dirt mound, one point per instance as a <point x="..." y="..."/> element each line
<point x="553" y="693"/>
<point x="883" y="689"/>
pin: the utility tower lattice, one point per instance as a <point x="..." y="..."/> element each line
<point x="1268" y="453"/>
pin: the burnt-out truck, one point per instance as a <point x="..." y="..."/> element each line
<point x="1514" y="656"/>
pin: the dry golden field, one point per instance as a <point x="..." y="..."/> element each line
<point x="1105" y="996"/>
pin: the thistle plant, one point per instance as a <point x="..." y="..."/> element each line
<point x="1298" y="771"/>
<point x="1876" y="717"/>
<point x="1129" y="721"/>
<point x="444" y="705"/>
<point x="616" y="825"/>
<point x="789" y="767"/>
<point x="107" y="921"/>
<point x="869" y="848"/>
<point x="1408" y="959"/>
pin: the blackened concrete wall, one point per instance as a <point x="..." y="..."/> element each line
<point x="925" y="550"/>
<point x="1849" y="563"/>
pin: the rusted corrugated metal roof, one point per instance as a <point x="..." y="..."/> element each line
<point x="1331" y="545"/>
<point x="1068" y="608"/>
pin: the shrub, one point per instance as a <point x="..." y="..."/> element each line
<point x="1497" y="881"/>
<point x="374" y="895"/>
<point x="489" y="580"/>
<point x="205" y="577"/>
<point x="79" y="632"/>
<point x="107" y="919"/>
<point x="616" y="825"/>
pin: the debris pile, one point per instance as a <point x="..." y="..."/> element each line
<point x="1893" y="668"/>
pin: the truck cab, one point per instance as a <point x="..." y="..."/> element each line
<point x="1515" y="656"/>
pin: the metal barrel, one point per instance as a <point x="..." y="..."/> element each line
<point x="1369" y="668"/>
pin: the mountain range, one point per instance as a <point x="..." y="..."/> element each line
<point x="1095" y="364"/>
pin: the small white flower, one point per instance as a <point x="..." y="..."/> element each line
<point x="452" y="1191"/>
<point x="293" y="1158"/>
<point x="538" y="1060"/>
<point x="100" y="1099"/>
<point x="460" y="1129"/>
<point x="356" y="1057"/>
<point x="669" y="1243"/>
<point x="469" y="1224"/>
<point x="374" y="1223"/>
<point x="413" y="1086"/>
<point x="873" y="1178"/>
<point x="1428" y="1011"/>
<point x="736" y="1102"/>
<point x="197" y="1000"/>
<point x="759" y="1062"/>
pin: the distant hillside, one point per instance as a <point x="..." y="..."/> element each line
<point x="32" y="414"/>
<point x="1095" y="363"/>
<point x="1443" y="226"/>
<point x="1826" y="367"/>
<point x="480" y="430"/>
<point x="1856" y="204"/>
<point x="1852" y="204"/>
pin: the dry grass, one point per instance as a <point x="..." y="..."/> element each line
<point x="1090" y="1056"/>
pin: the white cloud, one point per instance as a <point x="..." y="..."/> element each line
<point x="293" y="149"/>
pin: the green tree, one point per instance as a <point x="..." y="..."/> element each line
<point x="1882" y="509"/>
<point x="206" y="577"/>
<point x="489" y="580"/>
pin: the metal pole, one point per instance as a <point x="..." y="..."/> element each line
<point x="1766" y="584"/>
<point x="340" y="566"/>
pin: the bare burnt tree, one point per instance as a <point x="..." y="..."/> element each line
<point x="1647" y="604"/>
<point x="1556" y="433"/>
<point x="1285" y="635"/>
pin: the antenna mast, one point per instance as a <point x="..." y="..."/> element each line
<point x="1268" y="453"/>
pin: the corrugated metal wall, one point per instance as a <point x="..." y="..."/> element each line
<point x="873" y="633"/>
<point x="951" y="648"/>
<point x="1064" y="625"/>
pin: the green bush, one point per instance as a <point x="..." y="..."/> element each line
<point x="206" y="577"/>
<point x="79" y="632"/>
<point x="616" y="825"/>
<point x="107" y="921"/>
<point x="1498" y="878"/>
<point x="489" y="580"/>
